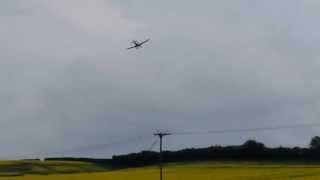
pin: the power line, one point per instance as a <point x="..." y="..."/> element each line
<point x="139" y="138"/>
<point x="270" y="128"/>
<point x="154" y="143"/>
<point x="86" y="148"/>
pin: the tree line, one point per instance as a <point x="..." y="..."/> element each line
<point x="250" y="150"/>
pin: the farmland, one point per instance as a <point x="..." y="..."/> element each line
<point x="32" y="170"/>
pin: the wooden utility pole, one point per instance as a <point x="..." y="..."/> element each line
<point x="161" y="135"/>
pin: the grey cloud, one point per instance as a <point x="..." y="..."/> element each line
<point x="68" y="82"/>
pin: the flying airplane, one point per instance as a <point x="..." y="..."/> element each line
<point x="138" y="44"/>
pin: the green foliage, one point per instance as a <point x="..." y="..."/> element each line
<point x="253" y="145"/>
<point x="315" y="142"/>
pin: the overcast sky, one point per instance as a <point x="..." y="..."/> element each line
<point x="68" y="82"/>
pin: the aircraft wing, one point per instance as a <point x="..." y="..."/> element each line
<point x="132" y="47"/>
<point x="145" y="41"/>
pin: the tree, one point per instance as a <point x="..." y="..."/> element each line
<point x="315" y="142"/>
<point x="253" y="145"/>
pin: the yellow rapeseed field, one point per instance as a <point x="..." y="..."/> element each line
<point x="195" y="171"/>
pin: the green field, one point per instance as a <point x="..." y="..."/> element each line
<point x="35" y="170"/>
<point x="20" y="168"/>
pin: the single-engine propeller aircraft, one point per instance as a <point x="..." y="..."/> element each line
<point x="138" y="44"/>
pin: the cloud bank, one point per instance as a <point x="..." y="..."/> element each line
<point x="67" y="81"/>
